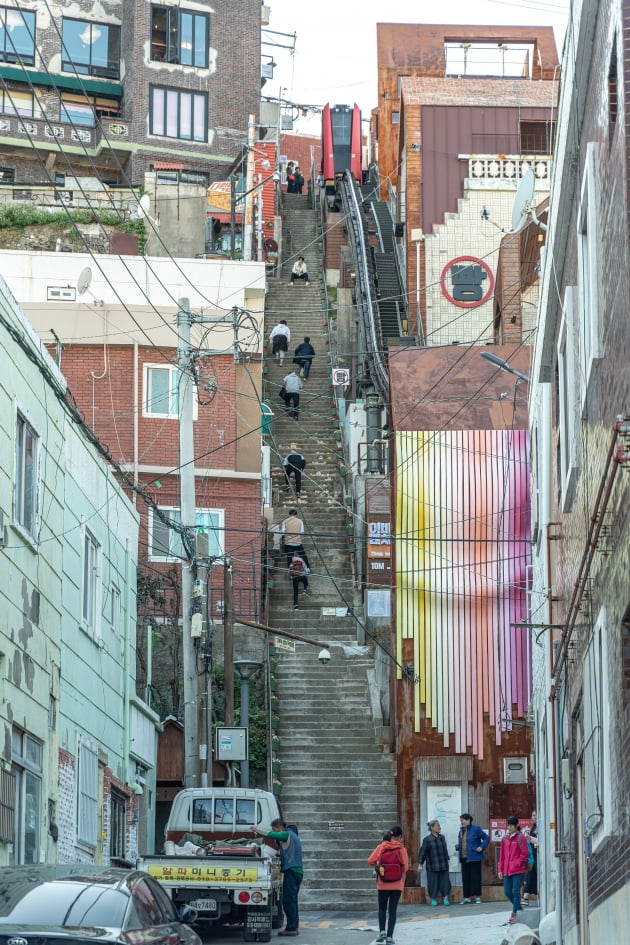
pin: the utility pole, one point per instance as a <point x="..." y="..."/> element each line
<point x="228" y="643"/>
<point x="188" y="521"/>
<point x="248" y="229"/>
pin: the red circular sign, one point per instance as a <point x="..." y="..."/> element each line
<point x="467" y="277"/>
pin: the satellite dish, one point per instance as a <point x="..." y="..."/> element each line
<point x="522" y="206"/>
<point x="145" y="202"/>
<point x="84" y="281"/>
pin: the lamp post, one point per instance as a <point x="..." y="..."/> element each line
<point x="246" y="669"/>
<point x="234" y="197"/>
<point x="500" y="363"/>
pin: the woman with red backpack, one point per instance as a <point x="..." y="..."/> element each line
<point x="391" y="862"/>
<point x="298" y="569"/>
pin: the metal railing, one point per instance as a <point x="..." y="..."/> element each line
<point x="367" y="307"/>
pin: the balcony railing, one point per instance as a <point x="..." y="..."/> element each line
<point x="108" y="131"/>
<point x="508" y="167"/>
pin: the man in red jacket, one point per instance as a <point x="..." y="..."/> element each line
<point x="512" y="864"/>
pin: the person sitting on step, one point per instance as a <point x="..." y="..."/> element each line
<point x="299" y="271"/>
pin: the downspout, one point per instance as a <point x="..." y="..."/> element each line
<point x="135" y="417"/>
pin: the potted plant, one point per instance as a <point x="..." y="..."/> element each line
<point x="275" y="722"/>
<point x="277" y="786"/>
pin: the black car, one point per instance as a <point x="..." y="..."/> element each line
<point x="78" y="903"/>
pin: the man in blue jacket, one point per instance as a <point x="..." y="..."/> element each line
<point x="471" y="843"/>
<point x="290" y="848"/>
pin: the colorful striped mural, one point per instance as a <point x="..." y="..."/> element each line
<point x="462" y="554"/>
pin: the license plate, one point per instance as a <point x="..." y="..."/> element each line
<point x="203" y="905"/>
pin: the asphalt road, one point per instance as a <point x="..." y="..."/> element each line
<point x="415" y="924"/>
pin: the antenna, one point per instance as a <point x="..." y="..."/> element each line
<point x="522" y="206"/>
<point x="84" y="281"/>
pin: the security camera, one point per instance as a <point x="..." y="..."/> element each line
<point x="324" y="656"/>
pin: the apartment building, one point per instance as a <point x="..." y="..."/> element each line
<point x="112" y="92"/>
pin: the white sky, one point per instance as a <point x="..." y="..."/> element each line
<point x="335" y="58"/>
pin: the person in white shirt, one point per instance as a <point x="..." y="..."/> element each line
<point x="299" y="270"/>
<point x="292" y="388"/>
<point x="279" y="340"/>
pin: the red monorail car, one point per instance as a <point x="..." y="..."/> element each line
<point x="341" y="143"/>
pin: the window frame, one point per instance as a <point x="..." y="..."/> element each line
<point x="27" y="59"/>
<point x="173" y="52"/>
<point x="117" y="824"/>
<point x="175" y="554"/>
<point x="568" y="428"/>
<point x="160" y="130"/>
<point x="91" y="583"/>
<point x="173" y="393"/>
<point x="595" y="748"/>
<point x="69" y="64"/>
<point x="25" y="766"/>
<point x="10" y="96"/>
<point x="28" y="529"/>
<point x="87" y="794"/>
<point x="588" y="279"/>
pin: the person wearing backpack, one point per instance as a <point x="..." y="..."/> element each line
<point x="391" y="862"/>
<point x="512" y="865"/>
<point x="298" y="569"/>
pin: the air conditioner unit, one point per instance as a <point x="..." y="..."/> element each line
<point x="515" y="770"/>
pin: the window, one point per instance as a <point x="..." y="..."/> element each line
<point x="395" y="118"/>
<point x="26" y="476"/>
<point x="178" y="114"/>
<point x="567" y="402"/>
<point x="588" y="275"/>
<point x="536" y="137"/>
<point x="613" y="93"/>
<point x="87" y="794"/>
<point x="26" y="767"/>
<point x="594" y="750"/>
<point x="7" y="806"/>
<point x="165" y="544"/>
<point x="86" y="109"/>
<point x="16" y="103"/>
<point x="117" y="824"/>
<point x="90" y="48"/>
<point x="161" y="392"/>
<point x="179" y="36"/>
<point x="17" y="36"/>
<point x="91" y="553"/>
<point x="7" y="175"/>
<point x="116" y="609"/>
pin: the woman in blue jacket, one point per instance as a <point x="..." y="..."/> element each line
<point x="471" y="843"/>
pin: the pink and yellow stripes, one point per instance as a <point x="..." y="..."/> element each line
<point x="462" y="553"/>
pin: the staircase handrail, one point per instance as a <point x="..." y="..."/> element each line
<point x="365" y="288"/>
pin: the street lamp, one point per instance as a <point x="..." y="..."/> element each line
<point x="275" y="177"/>
<point x="500" y="363"/>
<point x="246" y="669"/>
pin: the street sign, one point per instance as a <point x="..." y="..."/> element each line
<point x="340" y="376"/>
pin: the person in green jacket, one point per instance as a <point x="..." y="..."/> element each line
<point x="290" y="848"/>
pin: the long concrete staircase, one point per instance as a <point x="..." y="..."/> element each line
<point x="338" y="782"/>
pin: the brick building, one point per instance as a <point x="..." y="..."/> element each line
<point x="579" y="410"/>
<point x="463" y="113"/>
<point x="120" y="357"/>
<point x="130" y="88"/>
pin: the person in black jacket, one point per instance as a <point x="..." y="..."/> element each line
<point x="471" y="843"/>
<point x="293" y="464"/>
<point x="434" y="853"/>
<point x="303" y="357"/>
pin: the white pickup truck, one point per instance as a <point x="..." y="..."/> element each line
<point x="212" y="863"/>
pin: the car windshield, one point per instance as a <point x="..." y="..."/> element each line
<point x="67" y="903"/>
